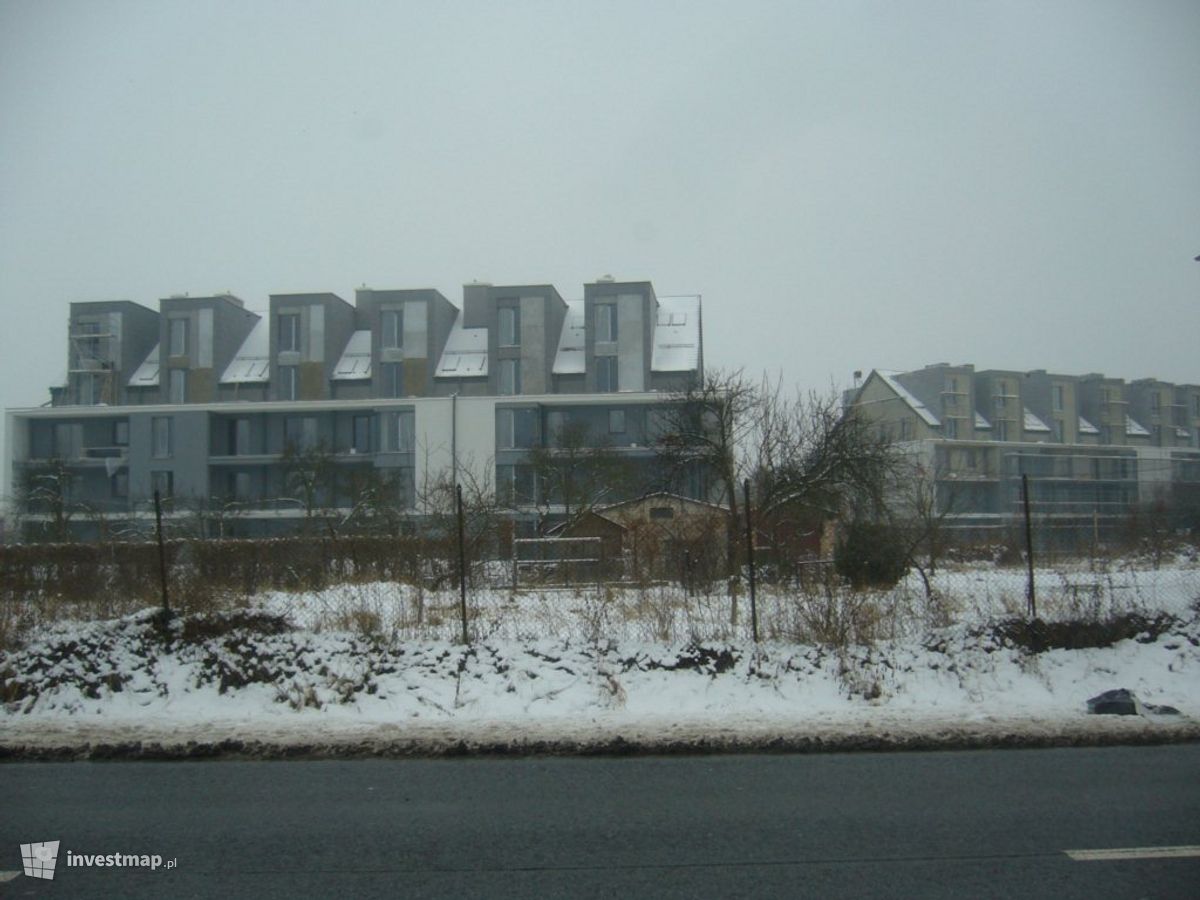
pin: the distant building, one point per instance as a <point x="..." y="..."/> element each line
<point x="205" y="401"/>
<point x="1094" y="448"/>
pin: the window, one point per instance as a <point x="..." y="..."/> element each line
<point x="1001" y="429"/>
<point x="239" y="437"/>
<point x="606" y="373"/>
<point x="1156" y="401"/>
<point x="393" y="330"/>
<point x="289" y="332"/>
<point x="362" y="434"/>
<point x="240" y="485"/>
<point x="1057" y="424"/>
<point x="300" y="432"/>
<point x="606" y="322"/>
<point x="906" y="429"/>
<point x="392" y="376"/>
<point x="510" y="377"/>
<point x="616" y="421"/>
<point x="163" y="484"/>
<point x="121" y="433"/>
<point x="89" y="389"/>
<point x="177" y="385"/>
<point x="161" y="434"/>
<point x="178" y="337"/>
<point x="950" y="427"/>
<point x="405" y="432"/>
<point x="288" y="378"/>
<point x="89" y="347"/>
<point x="515" y="484"/>
<point x="1059" y="398"/>
<point x="662" y="512"/>
<point x="516" y="429"/>
<point x="119" y="484"/>
<point x="510" y="326"/>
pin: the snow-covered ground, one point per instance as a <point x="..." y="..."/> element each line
<point x="374" y="668"/>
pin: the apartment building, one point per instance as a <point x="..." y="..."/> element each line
<point x="1093" y="448"/>
<point x="209" y="403"/>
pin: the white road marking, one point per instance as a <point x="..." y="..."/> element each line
<point x="8" y="876"/>
<point x="1132" y="853"/>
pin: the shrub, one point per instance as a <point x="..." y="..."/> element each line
<point x="870" y="554"/>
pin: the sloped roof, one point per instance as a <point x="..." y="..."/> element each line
<point x="980" y="422"/>
<point x="466" y="353"/>
<point x="569" y="360"/>
<point x="1086" y="427"/>
<point x="252" y="363"/>
<point x="677" y="335"/>
<point x="146" y="375"/>
<point x="889" y="378"/>
<point x="1033" y="423"/>
<point x="355" y="364"/>
<point x="1132" y="427"/>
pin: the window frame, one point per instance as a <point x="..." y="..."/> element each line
<point x="288" y="326"/>
<point x="162" y="437"/>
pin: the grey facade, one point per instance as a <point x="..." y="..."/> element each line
<point x="1094" y="449"/>
<point x="214" y="406"/>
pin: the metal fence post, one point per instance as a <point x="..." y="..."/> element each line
<point x="162" y="556"/>
<point x="462" y="565"/>
<point x="750" y="559"/>
<point x="1029" y="590"/>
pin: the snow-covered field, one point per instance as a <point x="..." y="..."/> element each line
<point x="375" y="668"/>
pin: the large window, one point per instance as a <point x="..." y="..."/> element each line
<point x="510" y="377"/>
<point x="393" y="329"/>
<point x="89" y="389"/>
<point x="121" y="433"/>
<point x="300" y="432"/>
<point x="289" y="332"/>
<point x="606" y="322"/>
<point x="516" y="429"/>
<point x="606" y="373"/>
<point x="239" y="437"/>
<point x="362" y="434"/>
<point x="163" y="484"/>
<point x="405" y="433"/>
<point x="177" y="385"/>
<point x="178" y="337"/>
<point x="392" y="376"/>
<point x="510" y="326"/>
<point x="288" y="383"/>
<point x="162" y="437"/>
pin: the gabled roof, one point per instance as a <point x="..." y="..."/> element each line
<point x="677" y="335"/>
<point x="252" y="363"/>
<point x="355" y="364"/>
<point x="466" y="353"/>
<point x="889" y="378"/>
<point x="146" y="375"/>
<point x="569" y="360"/>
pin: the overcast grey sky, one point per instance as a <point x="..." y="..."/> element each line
<point x="848" y="185"/>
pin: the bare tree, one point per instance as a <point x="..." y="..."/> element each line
<point x="577" y="471"/>
<point x="308" y="472"/>
<point x="923" y="499"/>
<point x="45" y="488"/>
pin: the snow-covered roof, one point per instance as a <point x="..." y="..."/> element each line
<point x="889" y="378"/>
<point x="252" y="363"/>
<point x="980" y="422"/>
<point x="146" y="375"/>
<point x="466" y="353"/>
<point x="1086" y="427"/>
<point x="1132" y="427"/>
<point x="569" y="360"/>
<point x="677" y="335"/>
<point x="1182" y="433"/>
<point x="355" y="364"/>
<point x="1033" y="423"/>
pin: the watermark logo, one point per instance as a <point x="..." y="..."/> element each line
<point x="39" y="859"/>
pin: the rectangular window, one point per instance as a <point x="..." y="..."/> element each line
<point x="300" y="432"/>
<point x="89" y="347"/>
<point x="119" y="484"/>
<point x="178" y="337"/>
<point x="510" y="326"/>
<point x="606" y="373"/>
<point x="1001" y="429"/>
<point x="163" y="483"/>
<point x="406" y="432"/>
<point x="393" y="329"/>
<point x="121" y="433"/>
<point x="516" y="429"/>
<point x="240" y="488"/>
<point x="515" y="485"/>
<point x="906" y="429"/>
<point x="1156" y="401"/>
<point x="362" y="434"/>
<point x="177" y="385"/>
<point x="1058" y="430"/>
<point x="392" y="376"/>
<point x="161" y="434"/>
<point x="239" y="437"/>
<point x="289" y="332"/>
<point x="606" y="322"/>
<point x="510" y="377"/>
<point x="616" y="421"/>
<point x="950" y="427"/>
<point x="1059" y="398"/>
<point x="288" y="383"/>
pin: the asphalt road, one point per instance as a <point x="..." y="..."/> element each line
<point x="953" y="824"/>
